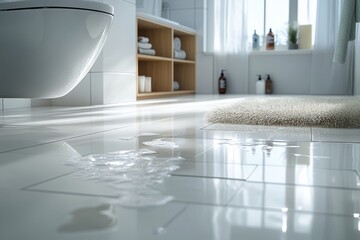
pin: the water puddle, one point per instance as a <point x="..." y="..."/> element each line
<point x="131" y="173"/>
<point x="160" y="143"/>
<point x="90" y="219"/>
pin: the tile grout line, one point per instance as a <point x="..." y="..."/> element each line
<point x="49" y="179"/>
<point x="303" y="185"/>
<point x="271" y="209"/>
<point x="70" y="193"/>
<point x="207" y="177"/>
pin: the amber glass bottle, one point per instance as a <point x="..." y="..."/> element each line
<point x="222" y="83"/>
<point x="270" y="41"/>
<point x="268" y="85"/>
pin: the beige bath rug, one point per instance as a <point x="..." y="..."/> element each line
<point x="297" y="111"/>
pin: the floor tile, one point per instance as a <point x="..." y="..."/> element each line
<point x="220" y="223"/>
<point x="34" y="216"/>
<point x="215" y="170"/>
<point x="200" y="190"/>
<point x="290" y="154"/>
<point x="298" y="198"/>
<point x="182" y="189"/>
<point x="19" y="170"/>
<point x="244" y="132"/>
<point x="306" y="176"/>
<point x="336" y="135"/>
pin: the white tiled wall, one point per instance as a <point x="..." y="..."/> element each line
<point x="79" y="96"/>
<point x="112" y="78"/>
<point x="16" y="103"/>
<point x="292" y="79"/>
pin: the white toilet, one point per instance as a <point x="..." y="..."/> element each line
<point x="48" y="46"/>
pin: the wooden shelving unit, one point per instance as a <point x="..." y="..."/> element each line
<point x="163" y="68"/>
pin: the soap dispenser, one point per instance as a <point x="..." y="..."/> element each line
<point x="260" y="85"/>
<point x="222" y="83"/>
<point x="268" y="85"/>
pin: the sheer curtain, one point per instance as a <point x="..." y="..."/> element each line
<point x="328" y="77"/>
<point x="230" y="44"/>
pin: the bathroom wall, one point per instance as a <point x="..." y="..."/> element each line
<point x="294" y="79"/>
<point x="192" y="13"/>
<point x="112" y="79"/>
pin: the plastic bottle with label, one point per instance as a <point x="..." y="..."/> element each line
<point x="260" y="85"/>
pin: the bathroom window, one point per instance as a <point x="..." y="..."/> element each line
<point x="263" y="15"/>
<point x="277" y="15"/>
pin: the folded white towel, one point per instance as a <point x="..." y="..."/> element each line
<point x="177" y="44"/>
<point x="179" y="54"/>
<point x="143" y="39"/>
<point x="145" y="45"/>
<point x="147" y="51"/>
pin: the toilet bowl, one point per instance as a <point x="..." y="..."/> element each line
<point x="48" y="46"/>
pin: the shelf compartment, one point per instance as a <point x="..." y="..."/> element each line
<point x="188" y="41"/>
<point x="163" y="68"/>
<point x="185" y="73"/>
<point x="160" y="73"/>
<point x="160" y="37"/>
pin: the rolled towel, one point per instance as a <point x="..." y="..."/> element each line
<point x="145" y="45"/>
<point x="147" y="51"/>
<point x="179" y="54"/>
<point x="177" y="44"/>
<point x="176" y="86"/>
<point x="143" y="39"/>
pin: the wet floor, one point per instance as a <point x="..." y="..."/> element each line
<point x="157" y="170"/>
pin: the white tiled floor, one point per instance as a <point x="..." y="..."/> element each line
<point x="225" y="182"/>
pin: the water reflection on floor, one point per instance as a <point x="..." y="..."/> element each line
<point x="158" y="170"/>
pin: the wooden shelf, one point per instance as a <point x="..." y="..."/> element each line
<point x="183" y="61"/>
<point x="143" y="57"/>
<point x="163" y="68"/>
<point x="163" y="94"/>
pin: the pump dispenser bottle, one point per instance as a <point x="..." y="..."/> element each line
<point x="260" y="85"/>
<point x="268" y="85"/>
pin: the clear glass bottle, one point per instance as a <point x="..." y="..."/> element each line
<point x="255" y="43"/>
